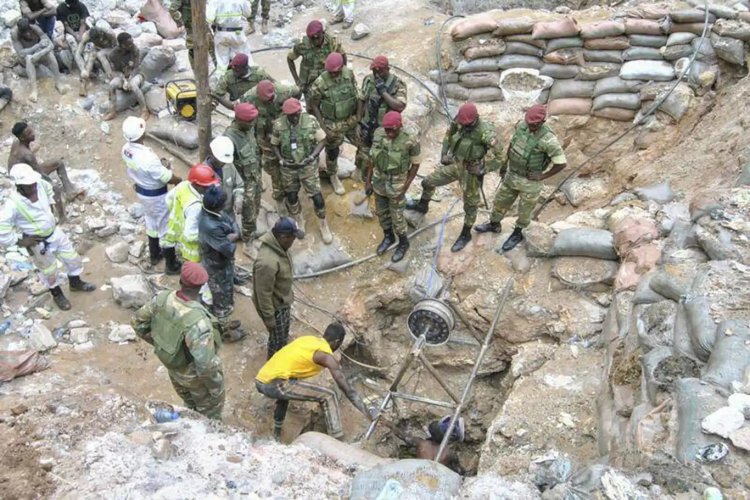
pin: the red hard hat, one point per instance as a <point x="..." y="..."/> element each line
<point x="203" y="175"/>
<point x="467" y="114"/>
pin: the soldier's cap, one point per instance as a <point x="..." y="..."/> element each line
<point x="245" y="112"/>
<point x="239" y="60"/>
<point x="314" y="28"/>
<point x="392" y="119"/>
<point x="291" y="106"/>
<point x="286" y="225"/>
<point x="536" y="114"/>
<point x="380" y="62"/>
<point x="266" y="89"/>
<point x="334" y="62"/>
<point x="467" y="113"/>
<point x="193" y="275"/>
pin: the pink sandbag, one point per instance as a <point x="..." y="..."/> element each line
<point x="612" y="43"/>
<point x="617" y="114"/>
<point x="647" y="11"/>
<point x="514" y="26"/>
<point x="492" y="49"/>
<point x="19" y="363"/>
<point x="603" y="29"/>
<point x="562" y="28"/>
<point x="155" y="12"/>
<point x="566" y="57"/>
<point x="645" y="257"/>
<point x="627" y="277"/>
<point x="474" y="25"/>
<point x="642" y="27"/>
<point x="632" y="232"/>
<point x="570" y="106"/>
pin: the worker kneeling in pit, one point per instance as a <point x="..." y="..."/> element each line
<point x="304" y="358"/>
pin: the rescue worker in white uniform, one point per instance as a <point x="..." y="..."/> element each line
<point x="150" y="176"/>
<point x="226" y="17"/>
<point x="29" y="210"/>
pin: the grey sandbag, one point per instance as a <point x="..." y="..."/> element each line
<point x="674" y="52"/>
<point x="456" y="91"/>
<point x="510" y="61"/>
<point x="744" y="178"/>
<point x="561" y="71"/>
<point x="701" y="326"/>
<point x="448" y="76"/>
<point x="649" y="362"/>
<point x="584" y="242"/>
<point x="733" y="29"/>
<point x="182" y="133"/>
<point x="728" y="49"/>
<point x="563" y="43"/>
<point x="625" y="101"/>
<point x="479" y="80"/>
<point x="644" y="294"/>
<point x="654" y="324"/>
<point x="722" y="11"/>
<point x="543" y="98"/>
<point x="486" y="94"/>
<point x="691" y="16"/>
<point x="523" y="49"/>
<point x="611" y="56"/>
<point x="156" y="61"/>
<point x="681" y="344"/>
<point x="596" y="71"/>
<point x="695" y="401"/>
<point x="483" y="64"/>
<point x="634" y="53"/>
<point x="695" y="28"/>
<point x="665" y="285"/>
<point x="680" y="39"/>
<point x="656" y="41"/>
<point x="705" y="48"/>
<point x="616" y="85"/>
<point x="660" y="71"/>
<point x="660" y="193"/>
<point x="731" y="354"/>
<point x="680" y="237"/>
<point x="563" y="89"/>
<point x="527" y="39"/>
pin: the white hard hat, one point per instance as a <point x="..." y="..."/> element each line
<point x="23" y="175"/>
<point x="133" y="128"/>
<point x="223" y="149"/>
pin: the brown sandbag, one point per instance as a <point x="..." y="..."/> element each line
<point x="695" y="28"/>
<point x="572" y="106"/>
<point x="617" y="114"/>
<point x="492" y="49"/>
<point x="614" y="43"/>
<point x="602" y="29"/>
<point x="514" y="26"/>
<point x="457" y="92"/>
<point x="486" y="94"/>
<point x="19" y="363"/>
<point x="733" y="29"/>
<point x="610" y="56"/>
<point x="691" y="16"/>
<point x="474" y="25"/>
<point x="642" y="27"/>
<point x="562" y="28"/>
<point x="542" y="44"/>
<point x="565" y="57"/>
<point x="479" y="80"/>
<point x="597" y="71"/>
<point x="647" y="11"/>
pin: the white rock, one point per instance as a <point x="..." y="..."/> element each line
<point x="148" y="40"/>
<point x="131" y="291"/>
<point x="723" y="421"/>
<point x="118" y="18"/>
<point x="40" y="338"/>
<point x="117" y="253"/>
<point x="127" y="228"/>
<point x="360" y="31"/>
<point x="741" y="438"/>
<point x="136" y="210"/>
<point x="76" y="323"/>
<point x="11" y="17"/>
<point x="86" y="346"/>
<point x="122" y="333"/>
<point x="80" y="335"/>
<point x="94" y="223"/>
<point x="176" y="44"/>
<point x="106" y="232"/>
<point x="130" y="6"/>
<point x="136" y="249"/>
<point x="741" y="402"/>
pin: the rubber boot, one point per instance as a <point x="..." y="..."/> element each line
<point x="78" y="285"/>
<point x="250" y="27"/>
<point x="62" y="302"/>
<point x="463" y="239"/>
<point x="233" y="335"/>
<point x="264" y="26"/>
<point x="420" y="206"/>
<point x="325" y="231"/>
<point x="488" y="227"/>
<point x="171" y="264"/>
<point x="277" y="431"/>
<point x="336" y="19"/>
<point x="388" y="239"/>
<point x="337" y="186"/>
<point x="514" y="239"/>
<point x="401" y="249"/>
<point x="154" y="251"/>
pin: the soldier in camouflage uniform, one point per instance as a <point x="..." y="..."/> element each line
<point x="393" y="166"/>
<point x="381" y="92"/>
<point x="242" y="134"/>
<point x="470" y="150"/>
<point x="268" y="99"/>
<point x="334" y="100"/>
<point x="297" y="141"/>
<point x="313" y="49"/>
<point x="186" y="340"/>
<point x="532" y="148"/>
<point x="240" y="80"/>
<point x="182" y="14"/>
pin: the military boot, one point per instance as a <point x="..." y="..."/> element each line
<point x="264" y="26"/>
<point x="463" y="239"/>
<point x="420" y="206"/>
<point x="514" y="239"/>
<point x="325" y="231"/>
<point x="388" y="239"/>
<point x="488" y="227"/>
<point x="401" y="249"/>
<point x="250" y="27"/>
<point x="78" y="285"/>
<point x="171" y="264"/>
<point x="154" y="251"/>
<point x="337" y="186"/>
<point x="295" y="212"/>
<point x="60" y="299"/>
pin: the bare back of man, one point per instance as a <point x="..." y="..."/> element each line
<point x="34" y="47"/>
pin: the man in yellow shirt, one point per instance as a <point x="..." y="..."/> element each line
<point x="304" y="358"/>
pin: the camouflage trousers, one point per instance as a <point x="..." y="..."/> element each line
<point x="456" y="172"/>
<point x="204" y="394"/>
<point x="362" y="157"/>
<point x="515" y="186"/>
<point x="265" y="6"/>
<point x="306" y="178"/>
<point x="191" y="51"/>
<point x="389" y="202"/>
<point x="336" y="133"/>
<point x="271" y="166"/>
<point x="250" y="206"/>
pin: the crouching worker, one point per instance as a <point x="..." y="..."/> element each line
<point x="304" y="358"/>
<point x="29" y="211"/>
<point x="186" y="340"/>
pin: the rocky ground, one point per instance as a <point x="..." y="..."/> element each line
<point x="602" y="354"/>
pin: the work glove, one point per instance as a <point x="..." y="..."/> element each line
<point x="380" y="86"/>
<point x="446" y="159"/>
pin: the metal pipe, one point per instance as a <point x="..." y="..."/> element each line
<point x="419" y="399"/>
<point x="437" y="377"/>
<point x="480" y="358"/>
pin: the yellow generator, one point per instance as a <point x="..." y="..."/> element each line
<point x="182" y="98"/>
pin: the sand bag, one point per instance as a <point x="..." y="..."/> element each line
<point x="701" y="327"/>
<point x="448" y="76"/>
<point x="490" y="49"/>
<point x="655" y="41"/>
<point x="647" y="70"/>
<point x="560" y="71"/>
<point x="15" y="364"/>
<point x="705" y="49"/>
<point x="542" y="44"/>
<point x="616" y="85"/>
<point x="562" y="28"/>
<point x="691" y="16"/>
<point x="680" y="39"/>
<point x="695" y="28"/>
<point x="156" y="61"/>
<point x="627" y="277"/>
<point x="602" y="29"/>
<point x="678" y="102"/>
<point x="655" y="390"/>
<point x="730" y="356"/>
<point x="648" y="11"/>
<point x="514" y="26"/>
<point x="584" y="242"/>
<point x="478" y="80"/>
<point x="632" y="231"/>
<point x="675" y="52"/>
<point x="665" y="285"/>
<point x="654" y="324"/>
<point x="474" y="25"/>
<point x="572" y="56"/>
<point x="564" y="43"/>
<point x="610" y="56"/>
<point x="623" y="101"/>
<point x="681" y="344"/>
<point x="642" y="27"/>
<point x="155" y="12"/>
<point x="182" y="133"/>
<point x="457" y="92"/>
<point x="729" y="49"/>
<point x="523" y="49"/>
<point x="635" y="53"/>
<point x="615" y="43"/>
<point x="509" y="61"/>
<point x="722" y="11"/>
<point x="597" y="71"/>
<point x="695" y="401"/>
<point x="733" y="29"/>
<point x="616" y="114"/>
<point x="572" y="106"/>
<point x="485" y="64"/>
<point x="643" y="292"/>
<point x="485" y="94"/>
<point x="563" y="89"/>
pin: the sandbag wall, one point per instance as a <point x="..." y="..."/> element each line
<point x="611" y="68"/>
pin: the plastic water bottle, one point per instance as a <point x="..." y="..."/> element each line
<point x="4" y="326"/>
<point x="162" y="415"/>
